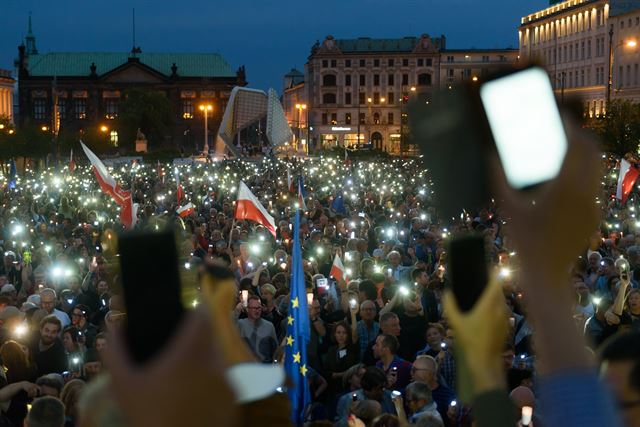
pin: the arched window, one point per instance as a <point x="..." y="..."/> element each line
<point x="376" y="118"/>
<point x="329" y="80"/>
<point x="113" y="137"/>
<point x="329" y="98"/>
<point x="424" y="79"/>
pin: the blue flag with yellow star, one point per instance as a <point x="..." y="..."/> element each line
<point x="298" y="334"/>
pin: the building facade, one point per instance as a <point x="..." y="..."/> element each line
<point x="296" y="107"/>
<point x="579" y="41"/>
<point x="80" y="91"/>
<point x="7" y="83"/>
<point x="357" y="88"/>
<point x="464" y="65"/>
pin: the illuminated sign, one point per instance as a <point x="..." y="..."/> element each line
<point x="339" y="128"/>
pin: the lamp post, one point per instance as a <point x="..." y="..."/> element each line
<point x="612" y="49"/>
<point x="403" y="100"/>
<point x="205" y="108"/>
<point x="299" y="108"/>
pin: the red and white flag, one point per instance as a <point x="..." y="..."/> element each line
<point x="179" y="190"/>
<point x="249" y="207"/>
<point x="128" y="209"/>
<point x="186" y="210"/>
<point x="627" y="176"/>
<point x="337" y="269"/>
<point x="72" y="164"/>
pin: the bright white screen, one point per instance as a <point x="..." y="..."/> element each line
<point x="526" y="126"/>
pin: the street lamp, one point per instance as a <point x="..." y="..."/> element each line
<point x="612" y="49"/>
<point x="103" y="129"/>
<point x="299" y="108"/>
<point x="205" y="108"/>
<point x="44" y="128"/>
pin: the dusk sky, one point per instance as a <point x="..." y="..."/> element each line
<point x="269" y="37"/>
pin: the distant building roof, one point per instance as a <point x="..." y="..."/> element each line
<point x="293" y="78"/>
<point x="366" y="44"/>
<point x="79" y="63"/>
<point x="474" y="49"/>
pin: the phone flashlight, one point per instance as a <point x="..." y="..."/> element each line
<point x="396" y="393"/>
<point x="527" y="413"/>
<point x="453" y="403"/>
<point x="404" y="291"/>
<point x="353" y="303"/>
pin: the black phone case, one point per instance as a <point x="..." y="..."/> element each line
<point x="467" y="265"/>
<point x="151" y="284"/>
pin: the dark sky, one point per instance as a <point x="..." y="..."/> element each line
<point x="269" y="37"/>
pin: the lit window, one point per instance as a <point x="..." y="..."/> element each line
<point x="113" y="137"/>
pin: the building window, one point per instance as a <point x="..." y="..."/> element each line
<point x="581" y="77"/>
<point x="376" y="118"/>
<point x="329" y="80"/>
<point x="390" y="63"/>
<point x="363" y="80"/>
<point x="361" y="98"/>
<point x="485" y="58"/>
<point x="588" y="49"/>
<point x="420" y="62"/>
<point x="362" y="118"/>
<point x="450" y="72"/>
<point x="450" y="58"/>
<point x="424" y="79"/>
<point x="347" y="63"/>
<point x="334" y="63"/>
<point x="324" y="118"/>
<point x="390" y="98"/>
<point x="621" y="24"/>
<point x="111" y="107"/>
<point x="635" y="75"/>
<point x="62" y="108"/>
<point x="113" y="137"/>
<point x="329" y="98"/>
<point x="390" y="80"/>
<point x="376" y="98"/>
<point x="325" y="63"/>
<point x="187" y="108"/>
<point x="376" y="79"/>
<point x="405" y="79"/>
<point x="405" y="62"/>
<point x="39" y="108"/>
<point x="429" y="62"/>
<point x="376" y="62"/>
<point x="80" y="108"/>
<point x="390" y="118"/>
<point x="347" y="80"/>
<point x="620" y="76"/>
<point x="334" y="118"/>
<point x="347" y="119"/>
<point x="347" y="98"/>
<point x="362" y="63"/>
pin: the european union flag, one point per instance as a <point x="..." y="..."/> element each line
<point x="12" y="174"/>
<point x="298" y="334"/>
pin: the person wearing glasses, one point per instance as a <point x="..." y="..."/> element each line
<point x="259" y="333"/>
<point x="425" y="370"/>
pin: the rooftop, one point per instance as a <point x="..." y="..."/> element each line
<point x="79" y="63"/>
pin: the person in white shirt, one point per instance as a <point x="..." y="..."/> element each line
<point x="48" y="303"/>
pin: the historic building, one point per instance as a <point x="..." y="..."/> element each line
<point x="85" y="89"/>
<point x="7" y="83"/>
<point x="589" y="48"/>
<point x="464" y="65"/>
<point x="296" y="107"/>
<point x="357" y="88"/>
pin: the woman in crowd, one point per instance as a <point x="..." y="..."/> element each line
<point x="17" y="369"/>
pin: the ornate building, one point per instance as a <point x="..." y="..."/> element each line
<point x="86" y="88"/>
<point x="462" y="65"/>
<point x="589" y="48"/>
<point x="356" y="89"/>
<point x="7" y="83"/>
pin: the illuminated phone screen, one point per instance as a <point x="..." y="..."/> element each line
<point x="526" y="126"/>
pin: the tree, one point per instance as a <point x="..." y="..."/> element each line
<point x="620" y="128"/>
<point x="149" y="111"/>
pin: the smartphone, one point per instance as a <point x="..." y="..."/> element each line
<point x="150" y="278"/>
<point x="530" y="154"/>
<point x="467" y="269"/>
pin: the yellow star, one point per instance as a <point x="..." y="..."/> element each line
<point x="290" y="340"/>
<point x="294" y="302"/>
<point x="290" y="320"/>
<point x="303" y="370"/>
<point x="296" y="358"/>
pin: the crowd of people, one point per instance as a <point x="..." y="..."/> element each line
<point x="385" y="346"/>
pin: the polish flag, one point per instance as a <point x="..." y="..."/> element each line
<point x="249" y="207"/>
<point x="72" y="164"/>
<point x="185" y="210"/>
<point x="337" y="269"/>
<point x="179" y="191"/>
<point x="626" y="178"/>
<point x="128" y="209"/>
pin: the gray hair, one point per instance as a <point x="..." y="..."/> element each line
<point x="419" y="391"/>
<point x="46" y="411"/>
<point x="428" y="420"/>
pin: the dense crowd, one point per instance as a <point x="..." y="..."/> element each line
<point x="382" y="349"/>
